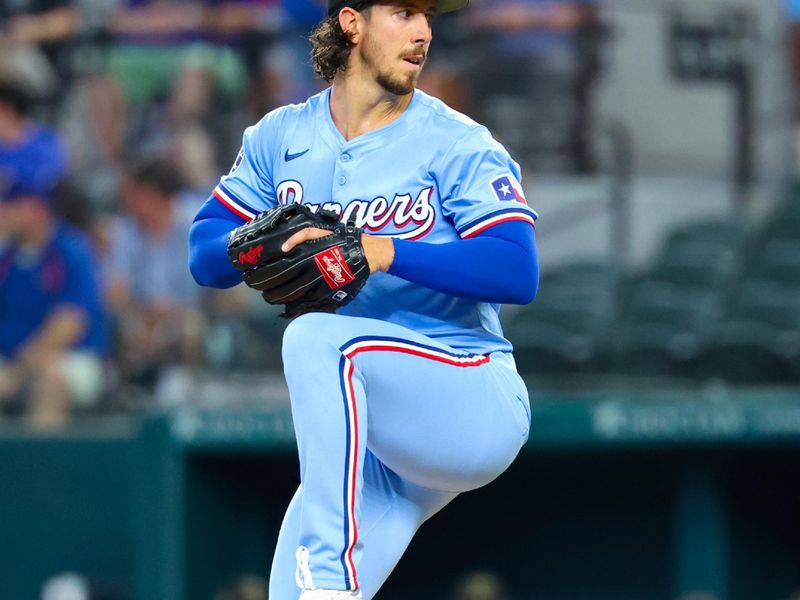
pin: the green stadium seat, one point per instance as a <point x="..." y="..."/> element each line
<point x="744" y="352"/>
<point x="778" y="260"/>
<point x="785" y="223"/>
<point x="540" y="347"/>
<point x="653" y="301"/>
<point x="558" y="332"/>
<point x="766" y="301"/>
<point x="650" y="349"/>
<point x="585" y="273"/>
<point x="722" y="234"/>
<point x="660" y="328"/>
<point x="697" y="263"/>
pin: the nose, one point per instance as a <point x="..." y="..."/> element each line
<point x="422" y="29"/>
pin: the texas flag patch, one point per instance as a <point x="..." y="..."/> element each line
<point x="508" y="188"/>
<point x="237" y="163"/>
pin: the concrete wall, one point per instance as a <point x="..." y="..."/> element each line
<point x="688" y="126"/>
<point x="683" y="138"/>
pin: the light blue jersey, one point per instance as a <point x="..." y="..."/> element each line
<point x="433" y="175"/>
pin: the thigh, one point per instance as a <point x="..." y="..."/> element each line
<point x="442" y="425"/>
<point x="439" y="418"/>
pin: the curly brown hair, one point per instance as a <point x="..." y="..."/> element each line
<point x="331" y="46"/>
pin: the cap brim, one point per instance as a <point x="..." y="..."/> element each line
<point x="445" y="6"/>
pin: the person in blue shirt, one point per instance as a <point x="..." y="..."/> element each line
<point x="29" y="151"/>
<point x="150" y="294"/>
<point x="52" y="338"/>
<point x="408" y="395"/>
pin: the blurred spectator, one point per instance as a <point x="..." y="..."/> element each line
<point x="479" y="585"/>
<point x="51" y="322"/>
<point x="193" y="155"/>
<point x="150" y="291"/>
<point x="169" y="48"/>
<point x="272" y="38"/>
<point x="29" y="152"/>
<point x="33" y="38"/>
<point x="545" y="51"/>
<point x="447" y="85"/>
<point x="164" y="65"/>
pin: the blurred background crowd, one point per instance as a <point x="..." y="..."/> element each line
<point x="670" y="240"/>
<point x="657" y="140"/>
<point x="116" y="120"/>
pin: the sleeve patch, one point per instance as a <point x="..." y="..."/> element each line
<point x="506" y="187"/>
<point x="237" y="163"/>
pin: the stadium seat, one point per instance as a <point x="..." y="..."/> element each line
<point x="778" y="260"/>
<point x="743" y="352"/>
<point x="558" y="332"/>
<point x="758" y="341"/>
<point x="587" y="276"/>
<point x="723" y="234"/>
<point x="700" y="266"/>
<point x="785" y="223"/>
<point x="660" y="328"/>
<point x="540" y="347"/>
<point x="650" y="349"/>
<point x="767" y="301"/>
<point x="655" y="301"/>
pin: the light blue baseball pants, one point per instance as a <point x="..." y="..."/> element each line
<point x="391" y="426"/>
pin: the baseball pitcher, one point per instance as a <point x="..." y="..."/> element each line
<point x="391" y="229"/>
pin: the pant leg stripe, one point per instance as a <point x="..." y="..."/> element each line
<point x="350" y="350"/>
<point x="359" y="345"/>
<point x="351" y="474"/>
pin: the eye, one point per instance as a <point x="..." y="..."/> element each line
<point x="405" y="13"/>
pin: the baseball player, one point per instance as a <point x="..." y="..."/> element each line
<point x="407" y="395"/>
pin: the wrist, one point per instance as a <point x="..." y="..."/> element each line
<point x="379" y="252"/>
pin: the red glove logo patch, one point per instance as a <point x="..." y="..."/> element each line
<point x="252" y="256"/>
<point x="333" y="267"/>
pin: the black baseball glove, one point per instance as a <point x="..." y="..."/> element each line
<point x="317" y="276"/>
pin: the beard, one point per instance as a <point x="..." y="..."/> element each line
<point x="394" y="83"/>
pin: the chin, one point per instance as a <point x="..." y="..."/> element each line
<point x="398" y="86"/>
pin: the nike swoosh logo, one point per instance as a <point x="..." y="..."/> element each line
<point x="289" y="157"/>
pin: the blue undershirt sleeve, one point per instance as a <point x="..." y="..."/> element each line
<point x="208" y="246"/>
<point x="499" y="266"/>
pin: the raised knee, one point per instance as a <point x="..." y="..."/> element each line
<point x="306" y="338"/>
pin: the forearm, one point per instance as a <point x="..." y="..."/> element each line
<point x="499" y="270"/>
<point x="51" y="26"/>
<point x="61" y="330"/>
<point x="208" y="247"/>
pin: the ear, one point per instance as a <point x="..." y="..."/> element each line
<point x="350" y="22"/>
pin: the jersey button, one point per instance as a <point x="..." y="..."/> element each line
<point x="346" y="157"/>
<point x="342" y="180"/>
